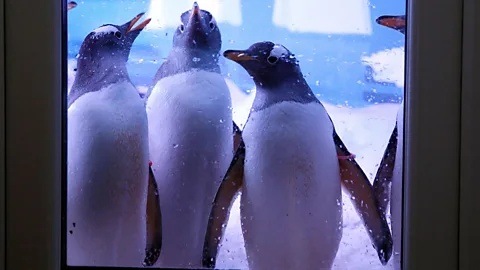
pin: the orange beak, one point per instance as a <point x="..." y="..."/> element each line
<point x="391" y="21"/>
<point x="236" y="56"/>
<point x="195" y="9"/>
<point x="140" y="26"/>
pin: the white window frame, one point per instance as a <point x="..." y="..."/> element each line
<point x="33" y="138"/>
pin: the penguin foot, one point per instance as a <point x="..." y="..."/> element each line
<point x="151" y="257"/>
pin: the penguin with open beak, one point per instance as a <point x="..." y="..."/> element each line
<point x="192" y="136"/>
<point x="113" y="211"/>
<point x="388" y="181"/>
<point x="290" y="167"/>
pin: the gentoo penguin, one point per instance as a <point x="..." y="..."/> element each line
<point x="71" y="4"/>
<point x="389" y="178"/>
<point x="191" y="134"/>
<point x="110" y="220"/>
<point x="290" y="166"/>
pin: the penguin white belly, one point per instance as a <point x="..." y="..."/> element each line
<point x="107" y="178"/>
<point x="191" y="146"/>
<point x="396" y="198"/>
<point x="291" y="199"/>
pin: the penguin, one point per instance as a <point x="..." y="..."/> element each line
<point x="71" y="5"/>
<point x="290" y="167"/>
<point x="191" y="135"/>
<point x="388" y="181"/>
<point x="113" y="211"/>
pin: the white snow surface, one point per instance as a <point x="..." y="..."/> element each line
<point x="388" y="65"/>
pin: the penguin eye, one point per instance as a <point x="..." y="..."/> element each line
<point x="272" y="60"/>
<point x="118" y="34"/>
<point x="212" y="25"/>
<point x="182" y="28"/>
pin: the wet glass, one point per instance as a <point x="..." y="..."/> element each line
<point x="164" y="170"/>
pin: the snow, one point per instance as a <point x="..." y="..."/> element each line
<point x="388" y="65"/>
<point x="331" y="17"/>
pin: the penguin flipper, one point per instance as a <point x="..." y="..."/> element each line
<point x="154" y="222"/>
<point x="220" y="212"/>
<point x="356" y="184"/>
<point x="237" y="136"/>
<point x="383" y="179"/>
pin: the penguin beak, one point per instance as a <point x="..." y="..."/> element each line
<point x="239" y="55"/>
<point x="395" y="22"/>
<point x="134" y="21"/>
<point x="195" y="10"/>
<point x="71" y="4"/>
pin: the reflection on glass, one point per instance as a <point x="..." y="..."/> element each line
<point x="234" y="134"/>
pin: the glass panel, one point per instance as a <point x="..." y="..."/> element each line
<point x="160" y="143"/>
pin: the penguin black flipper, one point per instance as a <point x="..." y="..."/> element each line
<point x="154" y="222"/>
<point x="356" y="184"/>
<point x="237" y="136"/>
<point x="226" y="194"/>
<point x="383" y="179"/>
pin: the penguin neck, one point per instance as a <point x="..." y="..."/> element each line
<point x="97" y="71"/>
<point x="181" y="60"/>
<point x="95" y="75"/>
<point x="195" y="59"/>
<point x="293" y="89"/>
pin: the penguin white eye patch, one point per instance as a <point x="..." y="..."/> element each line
<point x="106" y="29"/>
<point x="278" y="51"/>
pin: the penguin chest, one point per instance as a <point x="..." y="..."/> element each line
<point x="191" y="146"/>
<point x="190" y="121"/>
<point x="108" y="147"/>
<point x="291" y="178"/>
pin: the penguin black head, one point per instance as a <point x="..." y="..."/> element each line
<point x="398" y="23"/>
<point x="112" y="41"/>
<point x="198" y="30"/>
<point x="102" y="59"/>
<point x="268" y="63"/>
<point x="276" y="73"/>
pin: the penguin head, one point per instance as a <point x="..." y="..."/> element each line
<point x="398" y="23"/>
<point x="112" y="41"/>
<point x="198" y="30"/>
<point x="267" y="63"/>
<point x="71" y="5"/>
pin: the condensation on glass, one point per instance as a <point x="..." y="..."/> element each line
<point x="235" y="134"/>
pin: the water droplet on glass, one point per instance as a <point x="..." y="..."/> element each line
<point x="221" y="120"/>
<point x="196" y="59"/>
<point x="317" y="83"/>
<point x="175" y="145"/>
